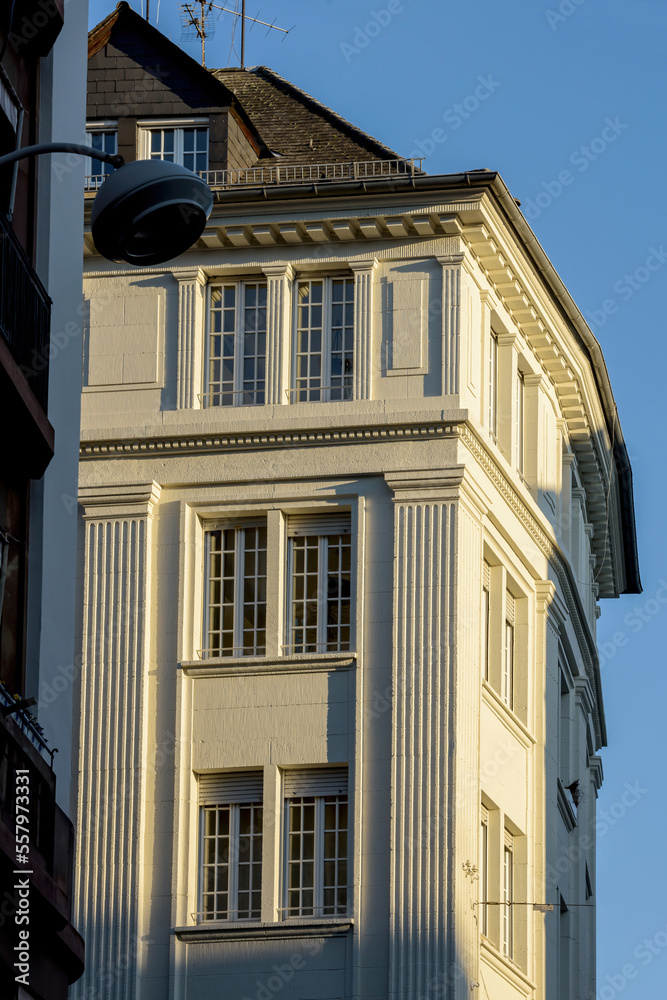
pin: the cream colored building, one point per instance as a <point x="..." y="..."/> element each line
<point x="352" y="484"/>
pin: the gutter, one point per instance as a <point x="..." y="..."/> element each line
<point x="492" y="180"/>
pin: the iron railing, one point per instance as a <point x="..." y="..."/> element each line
<point x="25" y="312"/>
<point x="299" y="173"/>
<point x="309" y="173"/>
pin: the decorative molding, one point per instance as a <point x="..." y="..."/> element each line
<point x="451" y="322"/>
<point x="279" y="278"/>
<point x="200" y="443"/>
<point x="364" y="271"/>
<point x="191" y="284"/>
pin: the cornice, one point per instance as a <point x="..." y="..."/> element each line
<point x="247" y="931"/>
<point x="252" y="440"/>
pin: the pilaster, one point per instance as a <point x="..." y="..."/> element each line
<point x="451" y="322"/>
<point x="278" y="328"/>
<point x="191" y="285"/>
<point x="364" y="271"/>
<point x="112" y="765"/>
<point x="435" y="735"/>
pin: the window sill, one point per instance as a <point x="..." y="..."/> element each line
<point x="505" y="714"/>
<point x="507" y="968"/>
<point x="304" y="927"/>
<point x="227" y="666"/>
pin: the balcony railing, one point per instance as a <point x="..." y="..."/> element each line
<point x="300" y="173"/>
<point x="309" y="173"/>
<point x="25" y="312"/>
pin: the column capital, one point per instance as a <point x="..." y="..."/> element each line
<point x="120" y="501"/>
<point x="530" y="380"/>
<point x="425" y="484"/>
<point x="550" y="604"/>
<point x="451" y="259"/>
<point x="506" y="339"/>
<point x="190" y="275"/>
<point x="363" y="264"/>
<point x="281" y="270"/>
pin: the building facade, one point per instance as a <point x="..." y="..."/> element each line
<point x="352" y="484"/>
<point x="41" y="953"/>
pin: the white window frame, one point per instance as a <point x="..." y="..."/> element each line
<point x="486" y="620"/>
<point x="239" y="393"/>
<point x="325" y="391"/>
<point x="507" y="692"/>
<point x="320" y="801"/>
<point x="508" y="896"/>
<point x="252" y="800"/>
<point x="322" y="530"/>
<point x="492" y="385"/>
<point x="520" y="405"/>
<point x="484" y="873"/>
<point x="239" y="603"/>
<point x="179" y="125"/>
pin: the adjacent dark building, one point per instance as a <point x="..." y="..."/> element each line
<point x="42" y="891"/>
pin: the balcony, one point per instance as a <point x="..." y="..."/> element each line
<point x="25" y="312"/>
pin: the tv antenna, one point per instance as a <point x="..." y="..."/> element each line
<point x="201" y="24"/>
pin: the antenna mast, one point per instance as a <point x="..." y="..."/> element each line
<point x="199" y="26"/>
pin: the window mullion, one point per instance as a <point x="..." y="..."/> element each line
<point x="322" y="570"/>
<point x="239" y="590"/>
<point x="318" y="879"/>
<point x="233" y="904"/>
<point x="238" y="343"/>
<point x="326" y="339"/>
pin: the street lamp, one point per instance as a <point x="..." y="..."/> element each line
<point x="146" y="212"/>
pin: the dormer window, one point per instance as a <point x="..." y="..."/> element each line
<point x="176" y="142"/>
<point x="104" y="137"/>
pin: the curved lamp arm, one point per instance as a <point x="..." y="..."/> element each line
<point x="115" y="159"/>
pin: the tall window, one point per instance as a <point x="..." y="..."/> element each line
<point x="324" y="348"/>
<point x="316" y="855"/>
<point x="486" y="618"/>
<point x="484" y="873"/>
<point x="508" y="657"/>
<point x="237" y="345"/>
<point x="319" y="567"/>
<point x="492" y="385"/>
<point x="508" y="895"/>
<point x="187" y="146"/>
<point x="230" y="846"/>
<point x="105" y="140"/>
<point x="519" y="430"/>
<point x="236" y="591"/>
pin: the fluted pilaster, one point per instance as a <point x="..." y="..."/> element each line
<point x="110" y="834"/>
<point x="364" y="271"/>
<point x="191" y="285"/>
<point x="278" y="326"/>
<point x="435" y="785"/>
<point x="451" y="323"/>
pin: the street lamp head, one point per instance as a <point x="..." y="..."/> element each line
<point x="149" y="211"/>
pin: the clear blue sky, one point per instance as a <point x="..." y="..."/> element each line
<point x="556" y="78"/>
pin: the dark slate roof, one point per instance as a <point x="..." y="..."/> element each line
<point x="294" y="124"/>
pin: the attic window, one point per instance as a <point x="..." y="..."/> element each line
<point x="176" y="142"/>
